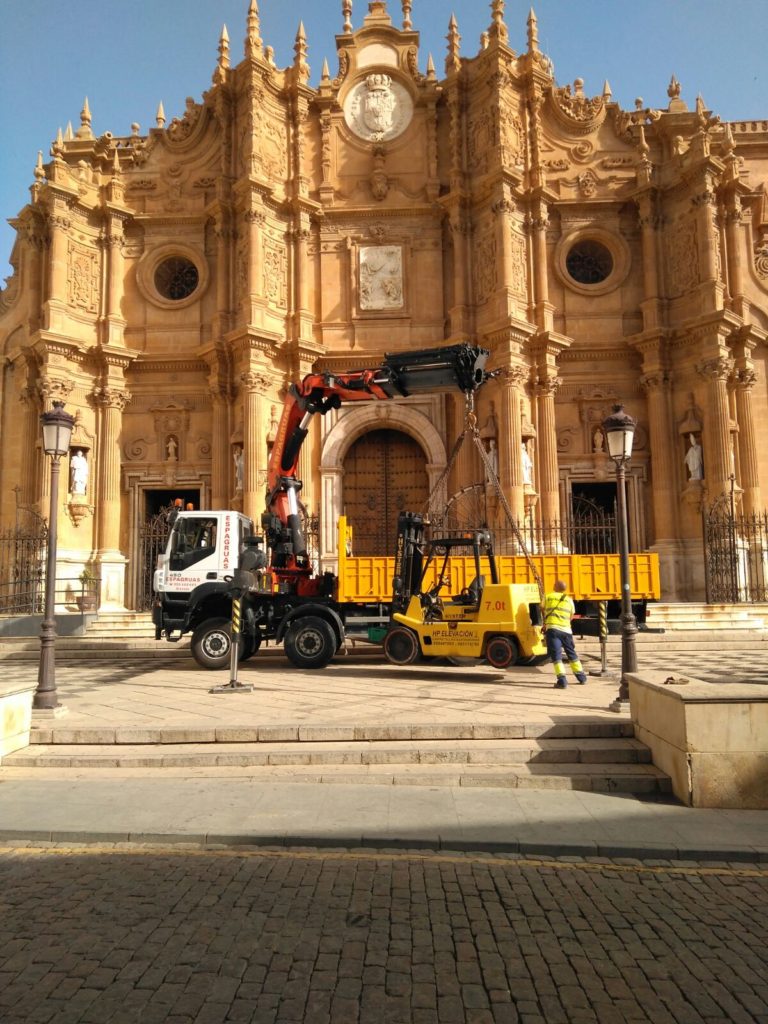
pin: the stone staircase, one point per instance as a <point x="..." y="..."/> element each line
<point x="590" y="755"/>
<point x="687" y="616"/>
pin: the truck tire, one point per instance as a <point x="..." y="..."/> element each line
<point x="401" y="646"/>
<point x="212" y="643"/>
<point x="502" y="651"/>
<point x="310" y="642"/>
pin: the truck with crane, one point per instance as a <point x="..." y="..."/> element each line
<point x="493" y="613"/>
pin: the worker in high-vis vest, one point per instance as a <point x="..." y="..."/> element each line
<point x="559" y="609"/>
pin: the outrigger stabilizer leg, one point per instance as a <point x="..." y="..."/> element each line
<point x="234" y="686"/>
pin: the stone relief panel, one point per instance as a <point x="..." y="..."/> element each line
<point x="484" y="274"/>
<point x="378" y="108"/>
<point x="83" y="278"/>
<point x="381" y="277"/>
<point x="483" y="137"/>
<point x="518" y="281"/>
<point x="682" y="258"/>
<point x="275" y="285"/>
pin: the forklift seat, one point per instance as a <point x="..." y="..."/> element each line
<point x="470" y="594"/>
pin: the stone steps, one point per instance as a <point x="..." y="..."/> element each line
<point x="614" y="763"/>
<point x="700" y="616"/>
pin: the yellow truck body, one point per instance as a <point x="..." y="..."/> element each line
<point x="368" y="578"/>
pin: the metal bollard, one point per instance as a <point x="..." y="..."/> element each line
<point x="234" y="654"/>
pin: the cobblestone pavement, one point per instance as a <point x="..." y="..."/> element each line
<point x="97" y="935"/>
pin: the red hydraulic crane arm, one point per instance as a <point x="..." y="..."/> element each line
<point x="454" y="367"/>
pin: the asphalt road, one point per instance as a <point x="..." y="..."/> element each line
<point x="152" y="935"/>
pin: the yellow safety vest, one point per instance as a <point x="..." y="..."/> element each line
<point x="558" y="611"/>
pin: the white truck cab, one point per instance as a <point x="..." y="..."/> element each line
<point x="203" y="546"/>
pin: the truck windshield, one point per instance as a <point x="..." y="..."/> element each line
<point x="194" y="538"/>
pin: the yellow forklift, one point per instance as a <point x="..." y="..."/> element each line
<point x="433" y="616"/>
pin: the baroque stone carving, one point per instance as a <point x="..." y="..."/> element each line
<point x="518" y="278"/>
<point x="381" y="277"/>
<point x="274" y="273"/>
<point x="682" y="258"/>
<point x="378" y="108"/>
<point x="484" y="272"/>
<point x="761" y="262"/>
<point x="572" y="105"/>
<point x="83" y="278"/>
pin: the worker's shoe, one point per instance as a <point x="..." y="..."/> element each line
<point x="581" y="678"/>
<point x="561" y="683"/>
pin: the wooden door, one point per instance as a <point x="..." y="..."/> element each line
<point x="384" y="474"/>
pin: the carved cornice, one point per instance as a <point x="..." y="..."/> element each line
<point x="166" y="366"/>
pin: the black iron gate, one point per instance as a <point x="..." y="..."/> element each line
<point x="735" y="554"/>
<point x="152" y="539"/>
<point x="23" y="548"/>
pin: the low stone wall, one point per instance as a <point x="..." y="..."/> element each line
<point x="710" y="738"/>
<point x="15" y="716"/>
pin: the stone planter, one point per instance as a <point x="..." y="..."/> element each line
<point x="15" y="716"/>
<point x="710" y="738"/>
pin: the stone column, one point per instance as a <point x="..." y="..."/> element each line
<point x="657" y="386"/>
<point x="112" y="401"/>
<point x="716" y="439"/>
<point x="538" y="222"/>
<point x="255" y="384"/>
<point x="733" y="236"/>
<point x="254" y="219"/>
<point x="510" y="442"/>
<point x="113" y="247"/>
<point x="546" y="449"/>
<point x="29" y="453"/>
<point x="648" y="222"/>
<point x="748" y="474"/>
<point x="59" y="223"/>
<point x="221" y="459"/>
<point x="459" y="224"/>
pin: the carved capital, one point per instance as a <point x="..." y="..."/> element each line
<point x="745" y="379"/>
<point x="514" y="376"/>
<point x="255" y="217"/>
<point x="547" y="386"/>
<point x="112" y="398"/>
<point x="255" y="383"/>
<point x="716" y="369"/>
<point x="52" y="389"/>
<point x="656" y="380"/>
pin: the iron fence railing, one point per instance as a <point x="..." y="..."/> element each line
<point x="27" y="597"/>
<point x="735" y="556"/>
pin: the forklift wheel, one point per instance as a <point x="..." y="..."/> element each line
<point x="401" y="646"/>
<point x="501" y="651"/>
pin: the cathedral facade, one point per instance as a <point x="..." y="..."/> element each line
<point x="169" y="286"/>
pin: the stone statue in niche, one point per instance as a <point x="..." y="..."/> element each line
<point x="171" y="449"/>
<point x="381" y="277"/>
<point x="493" y="460"/>
<point x="694" y="459"/>
<point x="598" y="441"/>
<point x="78" y="466"/>
<point x="527" y="464"/>
<point x="237" y="456"/>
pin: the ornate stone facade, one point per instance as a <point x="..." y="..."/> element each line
<point x="170" y="285"/>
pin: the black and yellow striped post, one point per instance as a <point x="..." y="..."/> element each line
<point x="603" y="620"/>
<point x="234" y="652"/>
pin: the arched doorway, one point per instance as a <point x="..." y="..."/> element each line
<point x="384" y="473"/>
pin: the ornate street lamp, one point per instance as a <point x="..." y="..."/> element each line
<point x="619" y="429"/>
<point x="57" y="431"/>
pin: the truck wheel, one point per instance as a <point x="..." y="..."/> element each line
<point x="212" y="642"/>
<point x="310" y="642"/>
<point x="502" y="651"/>
<point x="401" y="646"/>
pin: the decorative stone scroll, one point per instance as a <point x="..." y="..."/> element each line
<point x="381" y="277"/>
<point x="83" y="278"/>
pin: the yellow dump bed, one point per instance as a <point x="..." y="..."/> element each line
<point x="589" y="577"/>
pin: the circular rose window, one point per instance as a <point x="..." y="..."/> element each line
<point x="592" y="261"/>
<point x="589" y="262"/>
<point x="176" y="278"/>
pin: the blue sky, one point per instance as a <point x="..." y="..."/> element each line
<point x="127" y="56"/>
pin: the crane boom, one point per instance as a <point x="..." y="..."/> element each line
<point x="450" y="368"/>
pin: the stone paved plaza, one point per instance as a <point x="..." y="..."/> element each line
<point x="152" y="935"/>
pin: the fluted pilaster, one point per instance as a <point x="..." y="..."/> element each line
<point x="748" y="472"/>
<point x="657" y="386"/>
<point x="716" y="438"/>
<point x="549" y="498"/>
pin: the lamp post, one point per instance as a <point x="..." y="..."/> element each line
<point x="57" y="431"/>
<point x="619" y="429"/>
